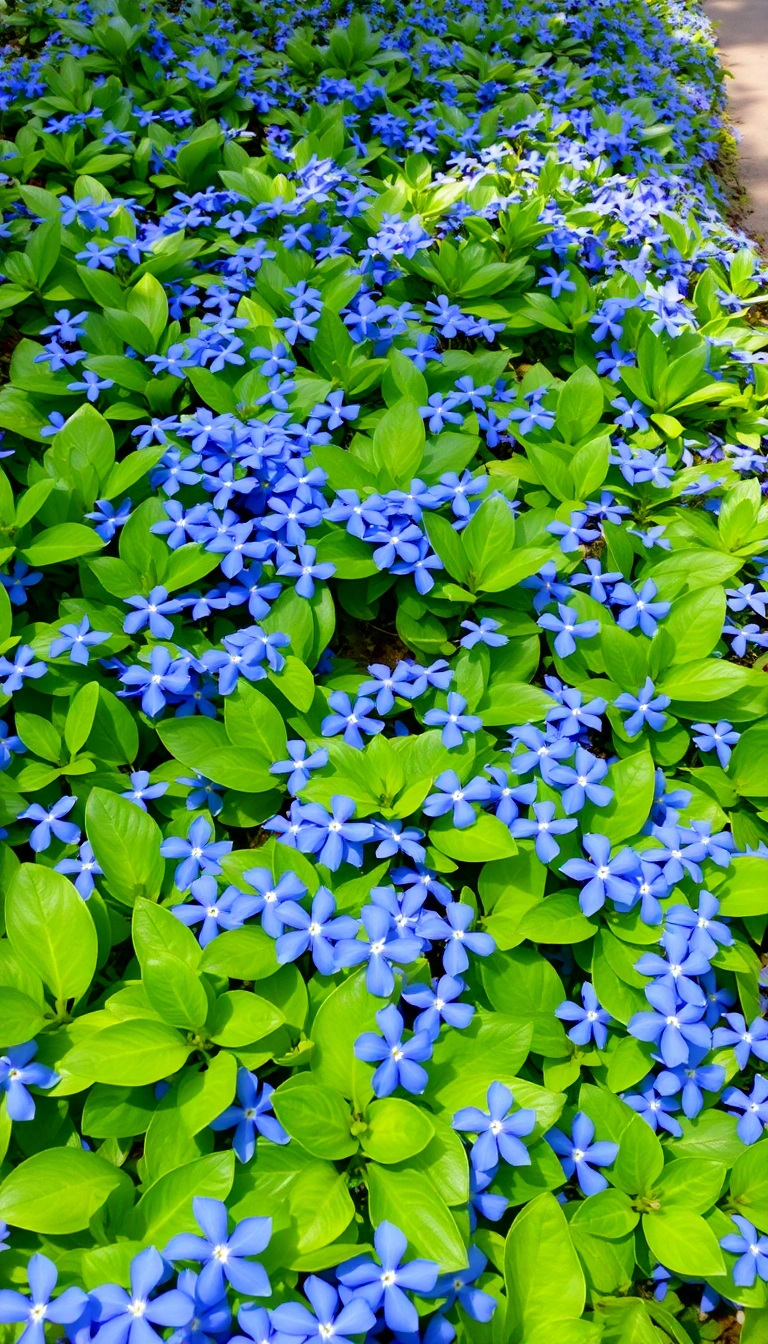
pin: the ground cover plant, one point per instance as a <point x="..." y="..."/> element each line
<point x="384" y="751"/>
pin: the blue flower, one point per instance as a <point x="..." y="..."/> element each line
<point x="656" y="1110"/>
<point x="40" y="1306"/>
<point x="387" y="1283"/>
<point x="50" y="822"/>
<point x="591" y="1020"/>
<point x="197" y="851"/>
<point x="482" y="633"/>
<point x="579" y="1155"/>
<point x="454" y="722"/>
<point x="141" y="789"/>
<point x="703" y="931"/>
<point x="333" y="835"/>
<point x="108" y="518"/>
<point x="481" y="1200"/>
<point x="544" y="826"/>
<point x="675" y="1027"/>
<point x="456" y="1286"/>
<point x="17" y="1073"/>
<point x="223" y="1256"/>
<point x="754" y="1107"/>
<point x="692" y="1079"/>
<point x="571" y="715"/>
<point x="13" y="674"/>
<point x="272" y="894"/>
<point x="9" y="743"/>
<point x="306" y="570"/>
<point x="639" y="609"/>
<point x="645" y="708"/>
<point x="719" y="737"/>
<point x="438" y="1004"/>
<point x="165" y="677"/>
<point x="77" y="640"/>
<point x="567" y="628"/>
<point x="457" y="798"/>
<point x="500" y="1130"/>
<point x="300" y="766"/>
<point x="547" y="588"/>
<point x="152" y="611"/>
<point x="751" y="1249"/>
<point x="453" y="928"/>
<point x="315" y="930"/>
<point x="506" y="797"/>
<point x="581" y="781"/>
<point x="574" y="534"/>
<point x="211" y="1317"/>
<point x="131" y="1318"/>
<point x="678" y="969"/>
<point x="400" y="1060"/>
<point x="86" y="866"/>
<point x="379" y="948"/>
<point x="251" y="1115"/>
<point x="16" y="584"/>
<point x="746" y="1041"/>
<point x="294" y="1320"/>
<point x="351" y="720"/>
<point x="214" y="912"/>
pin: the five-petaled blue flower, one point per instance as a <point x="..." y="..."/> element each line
<point x="579" y="1155"/>
<point x="500" y="1130"/>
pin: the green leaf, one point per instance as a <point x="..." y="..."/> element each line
<point x="745" y="888"/>
<point x="129" y="1054"/>
<point x="683" y="1242"/>
<point x="57" y="1191"/>
<point x="640" y="1159"/>
<point x="396" y="1130"/>
<point x="83" y="454"/>
<point x="625" y="656"/>
<point x="148" y="302"/>
<point x="346" y="1012"/>
<point x="118" y="1112"/>
<point x="243" y="954"/>
<point x="447" y="543"/>
<point x="579" y="405"/>
<point x="749" y="763"/>
<point x="126" y="842"/>
<point x="203" y="745"/>
<point x="523" y="984"/>
<point x="692" y="1183"/>
<point x="398" y="444"/>
<point x="695" y="623"/>
<point x="488" y="839"/>
<point x="705" y="680"/>
<point x="204" y="1094"/>
<point x="252" y="721"/>
<point x="632" y="780"/>
<point x="607" y="1214"/>
<point x="543" y="1276"/>
<point x="240" y="1017"/>
<point x="749" y="1184"/>
<point x="166" y="1208"/>
<point x="64" y="541"/>
<point x="80" y="716"/>
<point x="316" y="1116"/>
<point x="21" y="1017"/>
<point x="51" y="930"/>
<point x="464" y="1064"/>
<point x="410" y="1198"/>
<point x="488" y="541"/>
<point x="557" y="919"/>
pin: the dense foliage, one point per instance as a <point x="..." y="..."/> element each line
<point x="383" y="617"/>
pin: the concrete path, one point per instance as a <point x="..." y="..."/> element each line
<point x="743" y="43"/>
